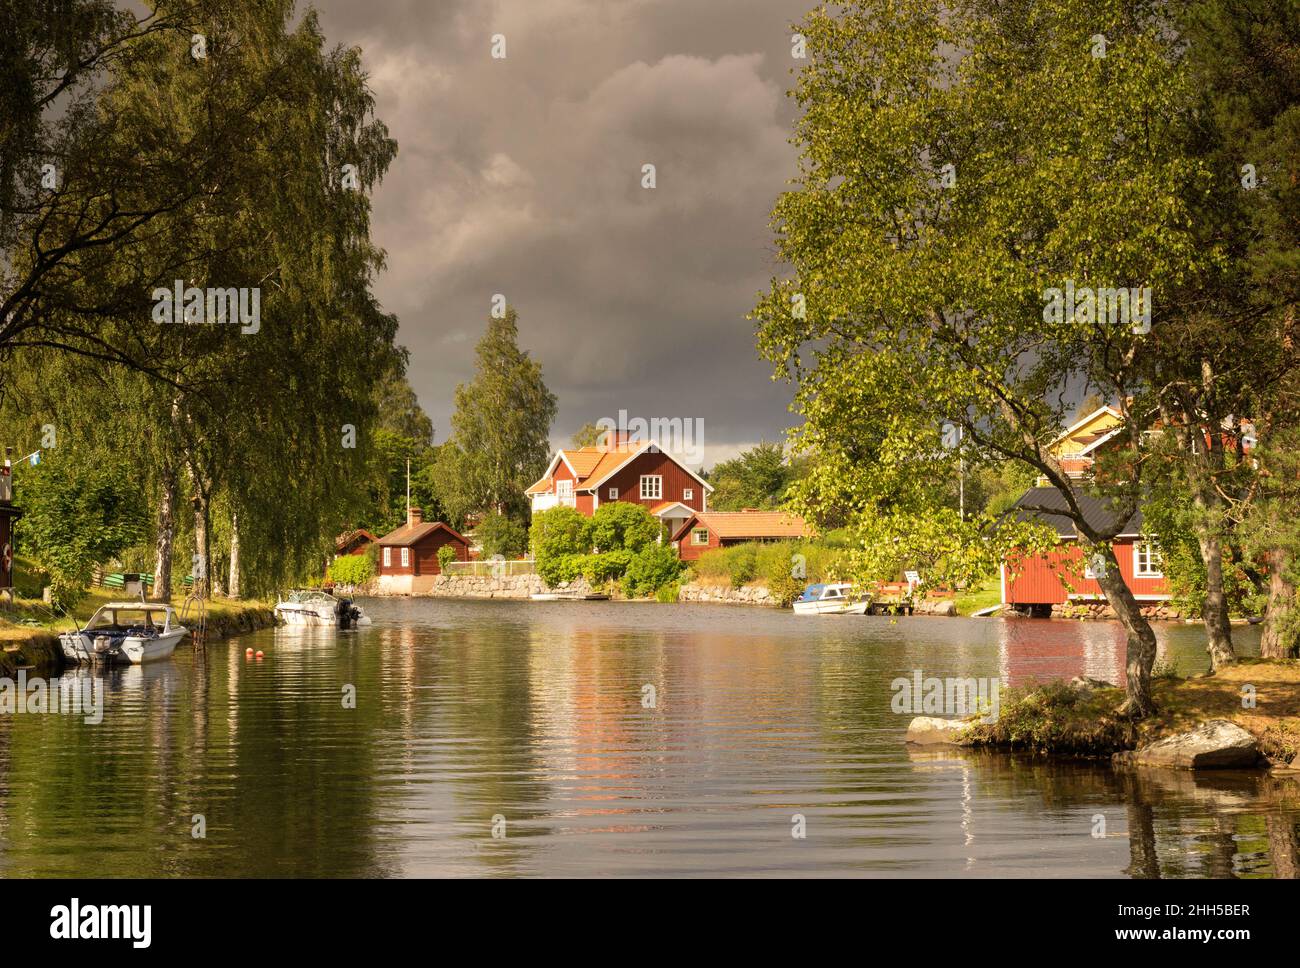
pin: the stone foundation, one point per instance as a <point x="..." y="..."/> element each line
<point x="1153" y="611"/>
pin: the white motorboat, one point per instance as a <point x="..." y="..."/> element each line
<point x="313" y="606"/>
<point x="833" y="598"/>
<point x="133" y="632"/>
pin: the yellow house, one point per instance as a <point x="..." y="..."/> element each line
<point x="1076" y="446"/>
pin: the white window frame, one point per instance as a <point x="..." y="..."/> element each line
<point x="1154" y="566"/>
<point x="695" y="536"/>
<point x="613" y="494"/>
<point x="564" y="488"/>
<point x="658" y="487"/>
<point x="388" y="557"/>
<point x="688" y="494"/>
<point x="406" y="557"/>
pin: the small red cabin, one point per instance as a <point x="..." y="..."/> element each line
<point x="1038" y="582"/>
<point x="408" y="557"/>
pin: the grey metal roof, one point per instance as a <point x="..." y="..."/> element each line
<point x="1095" y="512"/>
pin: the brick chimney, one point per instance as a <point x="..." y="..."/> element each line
<point x="414" y="516"/>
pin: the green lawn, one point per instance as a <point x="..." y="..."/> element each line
<point x="974" y="599"/>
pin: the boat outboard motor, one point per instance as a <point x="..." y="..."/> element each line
<point x="344" y="612"/>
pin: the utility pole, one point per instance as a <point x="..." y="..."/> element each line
<point x="408" y="489"/>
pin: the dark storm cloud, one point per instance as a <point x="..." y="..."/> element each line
<point x="522" y="176"/>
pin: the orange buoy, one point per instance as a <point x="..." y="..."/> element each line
<point x="248" y="652"/>
<point x="261" y="654"/>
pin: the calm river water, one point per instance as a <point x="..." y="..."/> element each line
<point x="532" y="715"/>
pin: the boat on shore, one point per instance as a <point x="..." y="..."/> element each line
<point x="832" y="598"/>
<point x="125" y="632"/>
<point x="315" y="607"/>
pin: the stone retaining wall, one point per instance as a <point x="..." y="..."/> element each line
<point x="1155" y="611"/>
<point x="726" y="595"/>
<point x="510" y="586"/>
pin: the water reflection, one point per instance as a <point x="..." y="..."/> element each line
<point x="537" y="717"/>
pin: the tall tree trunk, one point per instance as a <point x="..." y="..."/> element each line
<point x="1140" y="654"/>
<point x="233" y="588"/>
<point x="1218" y="629"/>
<point x="1279" y="640"/>
<point x="162" y="570"/>
<point x="202" y="546"/>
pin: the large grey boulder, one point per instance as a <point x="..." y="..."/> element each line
<point x="930" y="731"/>
<point x="1216" y="745"/>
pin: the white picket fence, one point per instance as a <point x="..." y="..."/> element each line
<point x="492" y="568"/>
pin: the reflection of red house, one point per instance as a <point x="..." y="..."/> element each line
<point x="620" y="469"/>
<point x="1037" y="580"/>
<point x="708" y="530"/>
<point x="408" y="557"/>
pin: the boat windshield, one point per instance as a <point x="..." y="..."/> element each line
<point x="812" y="593"/>
<point x="306" y="596"/>
<point x="128" y="618"/>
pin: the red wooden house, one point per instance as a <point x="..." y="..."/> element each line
<point x="408" y="557"/>
<point x="1035" y="581"/>
<point x="619" y="469"/>
<point x="709" y="530"/>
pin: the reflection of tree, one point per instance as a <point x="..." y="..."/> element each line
<point x="1283" y="846"/>
<point x="485" y="702"/>
<point x="1180" y="824"/>
<point x="1144" y="863"/>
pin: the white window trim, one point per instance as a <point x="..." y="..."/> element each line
<point x="695" y="537"/>
<point x="388" y="557"/>
<point x="564" y="488"/>
<point x="613" y="494"/>
<point x="406" y="557"/>
<point x="1154" y="564"/>
<point x="658" y="487"/>
<point x="688" y="494"/>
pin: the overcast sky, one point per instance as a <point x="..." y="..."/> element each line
<point x="522" y="176"/>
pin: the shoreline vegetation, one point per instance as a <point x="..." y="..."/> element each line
<point x="29" y="631"/>
<point x="1196" y="724"/>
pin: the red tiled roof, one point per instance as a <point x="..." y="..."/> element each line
<point x="590" y="464"/>
<point x="732" y="525"/>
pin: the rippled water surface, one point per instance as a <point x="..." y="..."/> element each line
<point x="532" y="714"/>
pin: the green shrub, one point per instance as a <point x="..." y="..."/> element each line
<point x="622" y="524"/>
<point x="650" y="569"/>
<point x="607" y="566"/>
<point x="352" y="570"/>
<point x="784" y="566"/>
<point x="446" y="555"/>
<point x="556" y="536"/>
<point x="742" y="563"/>
<point x="668" y="594"/>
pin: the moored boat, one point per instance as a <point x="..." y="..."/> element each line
<point x="832" y="598"/>
<point x="312" y="606"/>
<point x="132" y="632"/>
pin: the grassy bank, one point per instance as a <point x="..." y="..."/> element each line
<point x="29" y="631"/>
<point x="1058" y="719"/>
